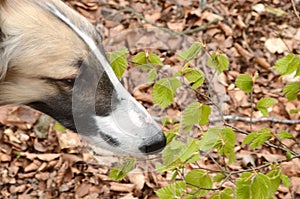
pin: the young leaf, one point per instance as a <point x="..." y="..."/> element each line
<point x="118" y="173"/>
<point x="219" y="177"/>
<point x="287" y="64"/>
<point x="260" y="186"/>
<point x="164" y="91"/>
<point x="225" y="194"/>
<point x="252" y="186"/>
<point x="152" y="74"/>
<point x="275" y="180"/>
<point x="190" y="53"/>
<point x="172" y="191"/>
<point x="258" y="138"/>
<point x="244" y="82"/>
<point x="59" y="127"/>
<point x="226" y="147"/>
<point x="219" y="61"/>
<point x="295" y="111"/>
<point x="118" y="61"/>
<point x="140" y="58"/>
<point x="210" y="138"/>
<point x="194" y="76"/>
<point x="154" y="60"/>
<point x="285" y="135"/>
<point x="195" y="113"/>
<point x="285" y="180"/>
<point x="265" y="103"/>
<point x="243" y="186"/>
<point x="199" y="179"/>
<point x="291" y="90"/>
<point x="221" y="139"/>
<point x="178" y="153"/>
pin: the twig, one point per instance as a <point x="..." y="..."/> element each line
<point x="267" y="143"/>
<point x="295" y="9"/>
<point x="229" y="174"/>
<point x="167" y="30"/>
<point x="243" y="119"/>
<point x="254" y="120"/>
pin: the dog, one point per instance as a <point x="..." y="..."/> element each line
<point x="52" y="59"/>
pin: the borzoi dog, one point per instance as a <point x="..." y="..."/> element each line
<point x="52" y="60"/>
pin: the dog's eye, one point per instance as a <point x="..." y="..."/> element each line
<point x="69" y="82"/>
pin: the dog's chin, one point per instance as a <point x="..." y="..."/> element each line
<point x="101" y="147"/>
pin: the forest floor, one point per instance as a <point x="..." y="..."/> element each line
<point x="253" y="35"/>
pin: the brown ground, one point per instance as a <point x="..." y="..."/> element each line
<point x="58" y="166"/>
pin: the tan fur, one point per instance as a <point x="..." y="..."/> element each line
<point x="36" y="45"/>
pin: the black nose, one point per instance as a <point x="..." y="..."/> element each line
<point x="155" y="145"/>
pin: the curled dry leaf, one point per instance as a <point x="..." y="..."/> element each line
<point x="243" y="52"/>
<point x="68" y="139"/>
<point x="137" y="177"/>
<point x="121" y="187"/>
<point x="44" y="157"/>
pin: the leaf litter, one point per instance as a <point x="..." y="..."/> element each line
<point x="253" y="36"/>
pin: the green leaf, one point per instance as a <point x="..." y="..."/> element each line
<point x="243" y="186"/>
<point x="275" y="180"/>
<point x="260" y="187"/>
<point x="224" y="194"/>
<point x="219" y="177"/>
<point x="221" y="139"/>
<point x="172" y="191"/>
<point x="154" y="60"/>
<point x="252" y="186"/>
<point x="195" y="113"/>
<point x="164" y="91"/>
<point x="210" y="138"/>
<point x="226" y="147"/>
<point x="291" y="90"/>
<point x="199" y="179"/>
<point x="288" y="155"/>
<point x="194" y="76"/>
<point x="285" y="135"/>
<point x="258" y="138"/>
<point x="295" y="111"/>
<point x="178" y="153"/>
<point x="140" y="58"/>
<point x="152" y="74"/>
<point x="288" y="64"/>
<point x="265" y="103"/>
<point x="118" y="61"/>
<point x="118" y="173"/>
<point x="191" y="53"/>
<point x="244" y="82"/>
<point x="59" y="127"/>
<point x="219" y="61"/>
<point x="285" y="180"/>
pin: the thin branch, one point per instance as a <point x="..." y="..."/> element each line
<point x="167" y="30"/>
<point x="243" y="119"/>
<point x="295" y="9"/>
<point x="228" y="176"/>
<point x="254" y="120"/>
<point x="267" y="143"/>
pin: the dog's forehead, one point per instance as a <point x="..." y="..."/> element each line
<point x="37" y="32"/>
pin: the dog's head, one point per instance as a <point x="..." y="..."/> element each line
<point x="46" y="64"/>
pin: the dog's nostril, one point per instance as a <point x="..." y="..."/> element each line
<point x="156" y="145"/>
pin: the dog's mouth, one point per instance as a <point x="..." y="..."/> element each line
<point x="129" y="130"/>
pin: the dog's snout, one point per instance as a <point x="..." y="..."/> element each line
<point x="155" y="145"/>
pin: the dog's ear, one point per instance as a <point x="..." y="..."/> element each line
<point x="2" y="3"/>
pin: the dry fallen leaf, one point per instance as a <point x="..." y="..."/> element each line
<point x="275" y="45"/>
